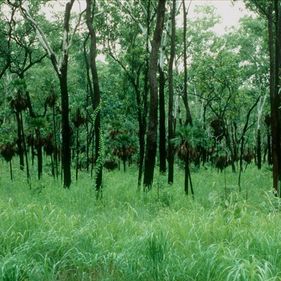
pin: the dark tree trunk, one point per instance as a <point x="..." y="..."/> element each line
<point x="24" y="149"/>
<point x="142" y="127"/>
<point x="269" y="149"/>
<point x="187" y="178"/>
<point x="77" y="153"/>
<point x="151" y="141"/>
<point x="20" y="141"/>
<point x="162" y="127"/>
<point x="171" y="125"/>
<point x="274" y="101"/>
<point x="141" y="149"/>
<point x="66" y="132"/>
<point x="39" y="153"/>
<point x="188" y="119"/>
<point x="11" y="170"/>
<point x="242" y="142"/>
<point x="96" y="95"/>
<point x="277" y="88"/>
<point x="228" y="144"/>
<point x="258" y="149"/>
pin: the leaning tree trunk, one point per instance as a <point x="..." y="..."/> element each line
<point x="151" y="140"/>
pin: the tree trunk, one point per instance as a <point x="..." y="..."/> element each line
<point x="269" y="149"/>
<point x="39" y="153"/>
<point x="258" y="149"/>
<point x="274" y="100"/>
<point x="95" y="97"/>
<point x="162" y="127"/>
<point x="171" y="127"/>
<point x="188" y="119"/>
<point x="151" y="140"/>
<point x="142" y="128"/>
<point x="19" y="141"/>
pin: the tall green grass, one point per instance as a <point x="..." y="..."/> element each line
<point x="48" y="233"/>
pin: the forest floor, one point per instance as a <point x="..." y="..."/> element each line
<point x="49" y="233"/>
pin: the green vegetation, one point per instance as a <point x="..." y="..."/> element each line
<point x="49" y="233"/>
<point x="191" y="117"/>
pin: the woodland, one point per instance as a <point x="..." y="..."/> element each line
<point x="137" y="143"/>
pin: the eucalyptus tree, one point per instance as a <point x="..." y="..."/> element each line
<point x="251" y="42"/>
<point x="59" y="62"/>
<point x="22" y="54"/>
<point x="171" y="125"/>
<point x="188" y="119"/>
<point x="271" y="11"/>
<point x="151" y="140"/>
<point x="127" y="43"/>
<point x="95" y="93"/>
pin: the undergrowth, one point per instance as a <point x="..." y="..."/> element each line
<point x="49" y="233"/>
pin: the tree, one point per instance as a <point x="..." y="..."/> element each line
<point x="171" y="125"/>
<point x="95" y="93"/>
<point x="151" y="140"/>
<point x="271" y="10"/>
<point x="61" y="68"/>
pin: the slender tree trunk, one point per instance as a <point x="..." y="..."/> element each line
<point x="39" y="153"/>
<point x="141" y="149"/>
<point x="11" y="170"/>
<point x="25" y="149"/>
<point x="151" y="141"/>
<point x="19" y="141"/>
<point x="162" y="127"/>
<point x="77" y="152"/>
<point x="142" y="129"/>
<point x="66" y="132"/>
<point x="259" y="149"/>
<point x="242" y="142"/>
<point x="55" y="143"/>
<point x="188" y="119"/>
<point x="269" y="149"/>
<point x="171" y="126"/>
<point x="96" y="95"/>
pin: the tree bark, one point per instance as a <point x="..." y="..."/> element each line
<point x="162" y="127"/>
<point x="65" y="126"/>
<point x="188" y="119"/>
<point x="95" y="97"/>
<point x="151" y="140"/>
<point x="258" y="149"/>
<point x="274" y="103"/>
<point x="171" y="127"/>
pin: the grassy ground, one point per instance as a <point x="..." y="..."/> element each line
<point x="48" y="233"/>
